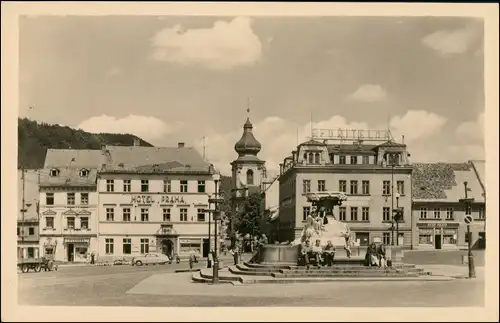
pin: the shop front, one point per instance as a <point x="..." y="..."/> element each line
<point x="166" y="240"/>
<point x="76" y="249"/>
<point x="438" y="235"/>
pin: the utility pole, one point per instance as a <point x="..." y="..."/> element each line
<point x="204" y="147"/>
<point x="392" y="201"/>
<point x="23" y="210"/>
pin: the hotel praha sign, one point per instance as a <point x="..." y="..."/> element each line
<point x="351" y="134"/>
<point x="150" y="199"/>
<point x="437" y="225"/>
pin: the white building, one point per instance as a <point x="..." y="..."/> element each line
<point x="153" y="200"/>
<point x="68" y="199"/>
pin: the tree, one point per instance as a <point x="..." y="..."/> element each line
<point x="250" y="216"/>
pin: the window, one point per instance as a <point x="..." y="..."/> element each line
<point x="84" y="198"/>
<point x="110" y="246"/>
<point x="449" y="238"/>
<point x="200" y="216"/>
<point x="354" y="160"/>
<point x="306" y="211"/>
<point x="31" y="231"/>
<point x="386" y="213"/>
<point x="425" y="238"/>
<point x="166" y="215"/>
<point x="249" y="177"/>
<point x="144" y="246"/>
<point x="363" y="237"/>
<point x="401" y="187"/>
<point x="449" y="213"/>
<point x="354" y="213"/>
<point x="481" y="215"/>
<point x="365" y="214"/>
<point x="437" y="213"/>
<point x="49" y="222"/>
<point x="343" y="186"/>
<point x="49" y="198"/>
<point x="423" y="213"/>
<point x="84" y="223"/>
<point x="54" y="172"/>
<point x="386" y="238"/>
<point x="354" y="187"/>
<point x="321" y="186"/>
<point x="306" y="186"/>
<point x="127" y="185"/>
<point x="31" y="252"/>
<point x="366" y="160"/>
<point x="18" y="231"/>
<point x="365" y="187"/>
<point x="144" y="215"/>
<point x="201" y="186"/>
<point x="316" y="158"/>
<point x="311" y="158"/>
<point x="126" y="214"/>
<point x="144" y="185"/>
<point x="110" y="185"/>
<point x="342" y="160"/>
<point x="70" y="198"/>
<point x="386" y="188"/>
<point x="127" y="246"/>
<point x="167" y="186"/>
<point x="84" y="173"/>
<point x="70" y="222"/>
<point x="184" y="186"/>
<point x="183" y="214"/>
<point x="110" y="214"/>
<point x="342" y="213"/>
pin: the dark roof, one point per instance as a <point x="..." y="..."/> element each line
<point x="352" y="148"/>
<point x="68" y="177"/>
<point x="444" y="182"/>
<point x="134" y="157"/>
<point x="90" y="158"/>
<point x="312" y="142"/>
<point x="247" y="145"/>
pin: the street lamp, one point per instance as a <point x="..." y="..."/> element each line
<point x="468" y="219"/>
<point x="209" y="262"/>
<point x="215" y="275"/>
<point x="398" y="212"/>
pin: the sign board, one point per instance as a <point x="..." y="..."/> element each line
<point x="437" y="225"/>
<point x="468" y="219"/>
<point x="351" y="134"/>
<point x="164" y="199"/>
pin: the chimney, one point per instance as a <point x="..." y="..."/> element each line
<point x="403" y="139"/>
<point x="180" y="145"/>
<point x="137" y="142"/>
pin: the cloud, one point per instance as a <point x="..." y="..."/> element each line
<point x="368" y="93"/>
<point x="472" y="129"/>
<point x="224" y="46"/>
<point x="467" y="152"/>
<point x="148" y="128"/>
<point x="416" y="124"/>
<point x="113" y="71"/>
<point x="448" y="42"/>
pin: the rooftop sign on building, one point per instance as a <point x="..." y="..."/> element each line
<point x="351" y="134"/>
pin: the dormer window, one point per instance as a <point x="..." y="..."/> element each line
<point x="84" y="172"/>
<point x="54" y="172"/>
<point x="316" y="158"/>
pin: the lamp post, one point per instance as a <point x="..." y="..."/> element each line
<point x="215" y="275"/>
<point x="392" y="201"/>
<point x="397" y="218"/>
<point x="468" y="220"/>
<point x="209" y="262"/>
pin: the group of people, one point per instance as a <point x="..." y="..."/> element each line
<point x="320" y="255"/>
<point x="376" y="256"/>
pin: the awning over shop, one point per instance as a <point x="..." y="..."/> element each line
<point x="77" y="240"/>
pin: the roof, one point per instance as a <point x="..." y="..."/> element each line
<point x="312" y="142"/>
<point x="247" y="145"/>
<point x="138" y="157"/>
<point x="352" y="148"/>
<point x="443" y="182"/>
<point x="391" y="143"/>
<point x="89" y="158"/>
<point x="68" y="177"/>
<point x="30" y="194"/>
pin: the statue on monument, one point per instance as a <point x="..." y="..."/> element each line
<point x="321" y="224"/>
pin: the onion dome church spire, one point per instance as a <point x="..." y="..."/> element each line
<point x="247" y="145"/>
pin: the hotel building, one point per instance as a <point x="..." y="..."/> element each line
<point x="439" y="216"/>
<point x="68" y="204"/>
<point x="153" y="200"/>
<point x="368" y="165"/>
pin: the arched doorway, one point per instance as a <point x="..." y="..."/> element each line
<point x="167" y="247"/>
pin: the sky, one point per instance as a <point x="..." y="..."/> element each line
<point x="170" y="79"/>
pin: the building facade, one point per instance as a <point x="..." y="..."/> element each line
<point x="27" y="218"/>
<point x="437" y="210"/>
<point x="153" y="200"/>
<point x="375" y="177"/>
<point x="68" y="205"/>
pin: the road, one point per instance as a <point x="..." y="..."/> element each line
<point x="160" y="286"/>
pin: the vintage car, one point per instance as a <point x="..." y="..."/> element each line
<point x="150" y="259"/>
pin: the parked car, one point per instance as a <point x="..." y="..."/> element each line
<point x="150" y="259"/>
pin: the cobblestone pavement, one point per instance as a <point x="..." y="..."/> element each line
<point x="159" y="286"/>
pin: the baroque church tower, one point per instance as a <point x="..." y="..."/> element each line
<point x="248" y="171"/>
